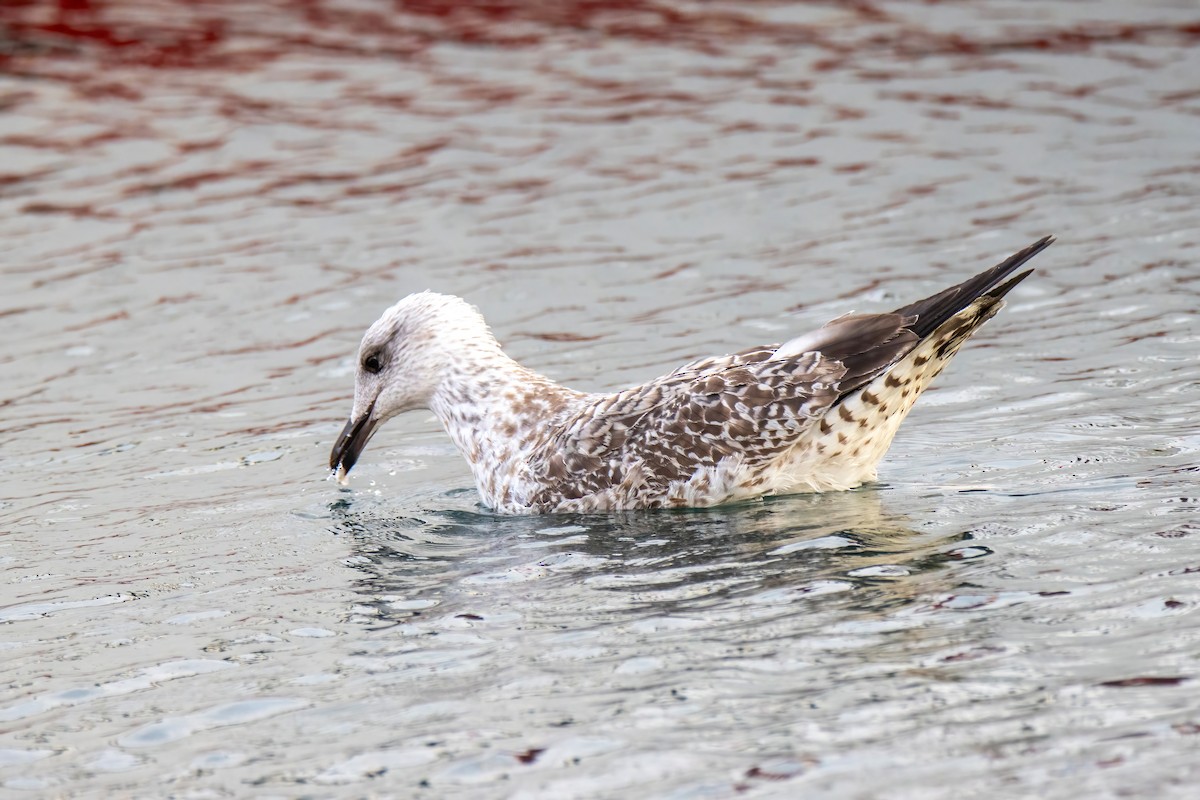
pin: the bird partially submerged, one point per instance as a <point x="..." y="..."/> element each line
<point x="814" y="414"/>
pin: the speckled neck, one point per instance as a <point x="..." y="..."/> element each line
<point x="495" y="409"/>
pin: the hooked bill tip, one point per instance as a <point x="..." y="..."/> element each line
<point x="349" y="445"/>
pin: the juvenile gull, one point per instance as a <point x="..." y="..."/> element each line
<point x="813" y="414"/>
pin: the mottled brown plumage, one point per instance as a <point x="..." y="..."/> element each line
<point x="816" y="413"/>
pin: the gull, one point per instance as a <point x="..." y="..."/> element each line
<point x="816" y="413"/>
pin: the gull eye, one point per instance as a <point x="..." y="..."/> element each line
<point x="371" y="364"/>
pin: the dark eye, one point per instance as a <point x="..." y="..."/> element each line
<point x="371" y="364"/>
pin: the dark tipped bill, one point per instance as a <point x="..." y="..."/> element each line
<point x="351" y="441"/>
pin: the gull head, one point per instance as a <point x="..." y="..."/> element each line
<point x="403" y="360"/>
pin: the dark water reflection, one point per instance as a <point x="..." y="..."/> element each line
<point x="663" y="563"/>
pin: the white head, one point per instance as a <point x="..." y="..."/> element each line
<point x="403" y="359"/>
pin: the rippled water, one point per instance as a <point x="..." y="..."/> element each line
<point x="204" y="204"/>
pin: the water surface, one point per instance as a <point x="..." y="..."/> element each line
<point x="203" y="206"/>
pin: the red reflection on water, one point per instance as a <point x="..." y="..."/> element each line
<point x="1147" y="680"/>
<point x="30" y="27"/>
<point x="558" y="336"/>
<point x="238" y="34"/>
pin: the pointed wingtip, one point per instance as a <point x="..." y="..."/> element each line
<point x="932" y="311"/>
<point x="1021" y="256"/>
<point x="1006" y="287"/>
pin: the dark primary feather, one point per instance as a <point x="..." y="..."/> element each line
<point x="922" y="318"/>
<point x="936" y="309"/>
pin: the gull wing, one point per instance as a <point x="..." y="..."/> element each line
<point x="751" y="406"/>
<point x="754" y="405"/>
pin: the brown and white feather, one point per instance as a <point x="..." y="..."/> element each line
<point x="816" y="413"/>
